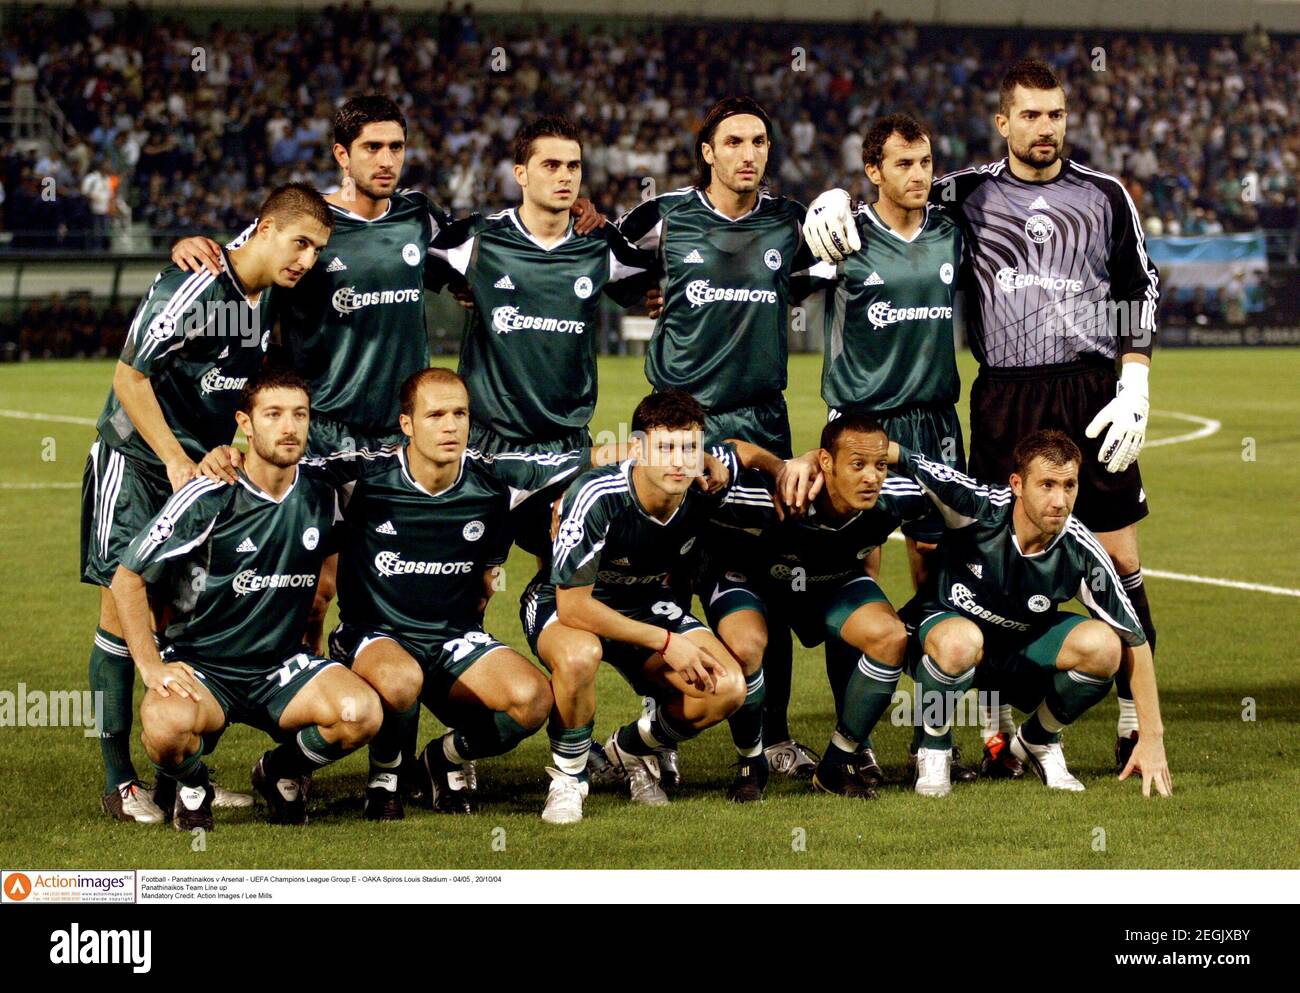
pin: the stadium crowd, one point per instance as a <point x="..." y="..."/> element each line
<point x="186" y="130"/>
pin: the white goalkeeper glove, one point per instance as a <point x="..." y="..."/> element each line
<point x="1127" y="416"/>
<point x="829" y="228"/>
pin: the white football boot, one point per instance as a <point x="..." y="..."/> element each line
<point x="564" y="799"/>
<point x="934" y="771"/>
<point x="1048" y="761"/>
<point x="642" y="773"/>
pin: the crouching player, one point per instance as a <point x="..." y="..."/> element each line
<point x="622" y="531"/>
<point x="426" y="523"/>
<point x="809" y="573"/>
<point x="1011" y="556"/>
<point x="238" y="565"/>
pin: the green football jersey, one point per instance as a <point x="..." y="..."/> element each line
<point x="412" y="561"/>
<point x="824" y="551"/>
<point x="529" y="356"/>
<point x="722" y="335"/>
<point x="354" y="326"/>
<point x="198" y="338"/>
<point x="237" y="567"/>
<point x="985" y="576"/>
<point x="888" y="327"/>
<point x="607" y="540"/>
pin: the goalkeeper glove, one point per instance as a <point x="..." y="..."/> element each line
<point x="829" y="228"/>
<point x="1127" y="416"/>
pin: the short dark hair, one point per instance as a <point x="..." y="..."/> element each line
<point x="671" y="409"/>
<point x="411" y="387"/>
<point x="905" y="126"/>
<point x="860" y="423"/>
<point x="270" y="378"/>
<point x="547" y="126"/>
<point x="719" y="112"/>
<point x="296" y="200"/>
<point x="1032" y="74"/>
<point x="1056" y="447"/>
<point x="353" y="116"/>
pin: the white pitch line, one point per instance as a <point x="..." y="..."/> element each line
<point x="1234" y="584"/>
<point x="26" y="415"/>
<point x="1208" y="426"/>
<point x="39" y="486"/>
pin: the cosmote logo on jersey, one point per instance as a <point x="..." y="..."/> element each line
<point x="346" y="299"/>
<point x="883" y="313"/>
<point x="392" y="564"/>
<point x="249" y="581"/>
<point x="964" y="599"/>
<point x="699" y="292"/>
<point x="507" y="319"/>
<point x="1010" y="279"/>
<point x="213" y="381"/>
<point x="622" y="579"/>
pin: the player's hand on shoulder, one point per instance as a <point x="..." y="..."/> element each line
<point x="463" y="296"/>
<point x="180" y="471"/>
<point x="829" y="227"/>
<point x="715" y="476"/>
<point x="193" y="254"/>
<point x="1148" y="758"/>
<point x="798" y="484"/>
<point x="220" y="464"/>
<point x="585" y="216"/>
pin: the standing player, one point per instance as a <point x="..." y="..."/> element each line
<point x="192" y="345"/>
<point x="1063" y="288"/>
<point x="622" y="530"/>
<point x="529" y="356"/>
<point x="889" y="347"/>
<point x="728" y="252"/>
<point x="808" y="572"/>
<point x="1011" y="557"/>
<point x="240" y="562"/>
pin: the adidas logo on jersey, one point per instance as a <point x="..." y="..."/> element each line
<point x="694" y="258"/>
<point x="246" y="546"/>
<point x="336" y="266"/>
<point x="873" y="280"/>
<point x="504" y="283"/>
<point x="386" y="528"/>
<point x="1039" y="204"/>
<point x="976" y="569"/>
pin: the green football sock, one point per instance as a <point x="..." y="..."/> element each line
<point x="657" y="729"/>
<point x="747" y="722"/>
<point x="488" y="733"/>
<point x="189" y="771"/>
<point x="570" y="746"/>
<point x="870" y="687"/>
<point x="386" y="747"/>
<point x="112" y="675"/>
<point x="939" y="695"/>
<point x="304" y="753"/>
<point x="1071" y="695"/>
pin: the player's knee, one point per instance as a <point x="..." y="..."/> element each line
<point x="399" y="689"/>
<point x="532" y="701"/>
<point x="748" y="646"/>
<point x="167" y="720"/>
<point x="576" y="661"/>
<point x="730" y="693"/>
<point x="361" y="715"/>
<point x="1096" y="649"/>
<point x="956" y="649"/>
<point x="885" y="639"/>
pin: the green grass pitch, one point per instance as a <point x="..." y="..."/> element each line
<point x="1223" y="506"/>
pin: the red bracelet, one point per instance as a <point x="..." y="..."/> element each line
<point x="667" y="638"/>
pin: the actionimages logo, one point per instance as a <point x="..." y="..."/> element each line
<point x="60" y="886"/>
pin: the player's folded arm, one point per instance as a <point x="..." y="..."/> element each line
<point x="960" y="499"/>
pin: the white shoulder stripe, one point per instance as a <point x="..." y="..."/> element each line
<point x="591" y="492"/>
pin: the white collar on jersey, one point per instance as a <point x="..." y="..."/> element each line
<point x="1015" y="542"/>
<point x="636" y="500"/>
<point x="406" y="473"/>
<point x="513" y="214"/>
<point x="762" y="195"/>
<point x="874" y="218"/>
<point x="358" y="217"/>
<point x="258" y="491"/>
<point x="229" y="270"/>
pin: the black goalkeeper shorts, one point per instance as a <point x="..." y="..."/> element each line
<point x="1008" y="404"/>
